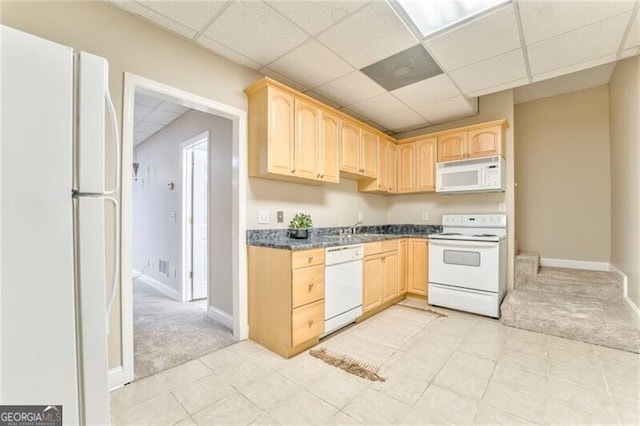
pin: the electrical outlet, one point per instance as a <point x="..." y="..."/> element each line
<point x="502" y="207"/>
<point x="425" y="215"/>
<point x="263" y="217"/>
<point x="280" y="216"/>
<point x="360" y="216"/>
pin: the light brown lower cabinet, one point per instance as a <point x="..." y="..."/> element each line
<point x="417" y="266"/>
<point x="286" y="298"/>
<point x="380" y="275"/>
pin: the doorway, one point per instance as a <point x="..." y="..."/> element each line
<point x="195" y="213"/>
<point x="234" y="315"/>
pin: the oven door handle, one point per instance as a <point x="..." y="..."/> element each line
<point x="457" y="244"/>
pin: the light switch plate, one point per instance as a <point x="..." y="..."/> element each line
<point x="172" y="216"/>
<point x="280" y="218"/>
<point x="503" y="207"/>
<point x="263" y="217"/>
<point x="360" y="216"/>
<point x="425" y="215"/>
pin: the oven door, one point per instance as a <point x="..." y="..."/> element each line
<point x="467" y="264"/>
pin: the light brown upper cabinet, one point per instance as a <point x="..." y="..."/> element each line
<point x="416" y="166"/>
<point x="479" y="141"/>
<point x="385" y="181"/>
<point x="358" y="152"/>
<point x="291" y="138"/>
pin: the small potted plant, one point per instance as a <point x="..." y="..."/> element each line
<point x="300" y="225"/>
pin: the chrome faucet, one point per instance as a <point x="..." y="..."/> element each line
<point x="351" y="229"/>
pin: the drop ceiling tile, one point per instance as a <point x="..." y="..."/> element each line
<point x="171" y="107"/>
<point x="633" y="39"/>
<point x="378" y="106"/>
<point x="544" y="19"/>
<point x="148" y="127"/>
<point x="402" y="120"/>
<point x="354" y="114"/>
<point x="147" y="100"/>
<point x="630" y="52"/>
<point x="426" y="91"/>
<point x="380" y="34"/>
<point x="282" y="79"/>
<point x="314" y="19"/>
<point x="575" y="68"/>
<point x="491" y="72"/>
<point x="376" y="126"/>
<point x="485" y="37"/>
<point x="256" y="31"/>
<point x="448" y="109"/>
<point x="351" y="88"/>
<point x="161" y="117"/>
<point x="154" y="17"/>
<point x="192" y="14"/>
<point x="500" y="87"/>
<point x="140" y="111"/>
<point x="227" y="53"/>
<point x="323" y="99"/>
<point x="581" y="45"/>
<point x="311" y="64"/>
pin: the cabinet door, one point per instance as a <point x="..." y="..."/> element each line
<point x="281" y="139"/>
<point x="381" y="181"/>
<point x="329" y="148"/>
<point x="425" y="165"/>
<point x="485" y="142"/>
<point x="418" y="266"/>
<point x="371" y="282"/>
<point x="369" y="154"/>
<point x="392" y="169"/>
<point x="406" y="168"/>
<point x="350" y="148"/>
<point x="452" y="147"/>
<point x="307" y="137"/>
<point x="389" y="276"/>
<point x="402" y="266"/>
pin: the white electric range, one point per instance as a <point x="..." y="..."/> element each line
<point x="468" y="263"/>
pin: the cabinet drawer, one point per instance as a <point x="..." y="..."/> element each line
<point x="300" y="259"/>
<point x="374" y="247"/>
<point x="307" y="285"/>
<point x="390" y="245"/>
<point x="307" y="322"/>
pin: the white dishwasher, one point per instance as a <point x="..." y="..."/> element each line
<point x="342" y="286"/>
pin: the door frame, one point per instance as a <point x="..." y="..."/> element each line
<point x="238" y="117"/>
<point x="187" y="200"/>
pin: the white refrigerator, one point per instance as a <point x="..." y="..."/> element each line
<point x="53" y="292"/>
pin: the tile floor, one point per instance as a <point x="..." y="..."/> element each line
<point x="459" y="369"/>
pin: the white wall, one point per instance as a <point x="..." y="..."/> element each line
<point x="155" y="236"/>
<point x="624" y="92"/>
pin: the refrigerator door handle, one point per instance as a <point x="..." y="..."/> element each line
<point x="116" y="255"/>
<point x="116" y="137"/>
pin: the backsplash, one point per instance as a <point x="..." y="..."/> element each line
<point x="283" y="234"/>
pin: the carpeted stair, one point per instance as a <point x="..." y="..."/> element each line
<point x="571" y="303"/>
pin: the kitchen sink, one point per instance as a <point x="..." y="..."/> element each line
<point x="352" y="236"/>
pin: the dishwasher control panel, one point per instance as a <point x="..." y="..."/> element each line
<point x="342" y="254"/>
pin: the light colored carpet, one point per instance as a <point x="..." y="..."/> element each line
<point x="167" y="333"/>
<point x="575" y="304"/>
<point x="370" y="343"/>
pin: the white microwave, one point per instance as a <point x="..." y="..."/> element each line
<point x="485" y="174"/>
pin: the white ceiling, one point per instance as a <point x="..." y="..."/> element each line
<point x="318" y="47"/>
<point x="152" y="114"/>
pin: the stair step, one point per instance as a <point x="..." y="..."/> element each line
<point x="527" y="263"/>
<point x="609" y="323"/>
<point x="579" y="282"/>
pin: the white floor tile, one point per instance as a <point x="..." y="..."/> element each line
<point x="135" y="393"/>
<point x="620" y="357"/>
<point x="519" y="379"/>
<point x="597" y="402"/>
<point x="269" y="391"/>
<point x="401" y="386"/>
<point x="533" y="363"/>
<point x="559" y="412"/>
<point x="303" y="408"/>
<point x="336" y="387"/>
<point x="235" y="409"/>
<point x="163" y="410"/>
<point x="305" y="369"/>
<point x="488" y="415"/>
<point x="487" y="349"/>
<point x="231" y="354"/>
<point x="528" y="347"/>
<point x="371" y="407"/>
<point x="201" y="393"/>
<point x="529" y="406"/>
<point x="241" y="374"/>
<point x="447" y="405"/>
<point x="181" y="375"/>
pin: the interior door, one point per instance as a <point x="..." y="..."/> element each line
<point x="199" y="226"/>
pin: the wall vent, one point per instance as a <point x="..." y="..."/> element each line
<point x="163" y="267"/>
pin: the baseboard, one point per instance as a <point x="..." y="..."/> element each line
<point x="633" y="306"/>
<point x="613" y="268"/>
<point x="220" y="316"/>
<point x="116" y="378"/>
<point x="574" y="264"/>
<point x="157" y="285"/>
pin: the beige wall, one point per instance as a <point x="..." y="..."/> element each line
<point x="624" y="113"/>
<point x="562" y="170"/>
<point x="131" y="45"/>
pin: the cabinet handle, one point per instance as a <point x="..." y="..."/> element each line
<point x="310" y="259"/>
<point x="311" y="286"/>
<point x="293" y="170"/>
<point x="310" y="322"/>
<point x="318" y="175"/>
<point x="321" y="176"/>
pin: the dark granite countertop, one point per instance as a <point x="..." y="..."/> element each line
<point x="325" y="237"/>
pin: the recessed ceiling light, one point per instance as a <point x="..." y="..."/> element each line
<point x="434" y="15"/>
